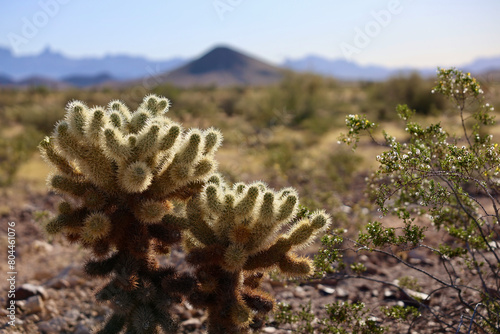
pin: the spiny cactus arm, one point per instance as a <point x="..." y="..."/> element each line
<point x="70" y="220"/>
<point x="119" y="107"/>
<point x="167" y="235"/>
<point x="300" y="235"/>
<point x="213" y="140"/>
<point x="147" y="143"/>
<point x="188" y="166"/>
<point x="259" y="301"/>
<point x="135" y="177"/>
<point x="96" y="226"/>
<point x="138" y="120"/>
<point x="151" y="211"/>
<point x="208" y="255"/>
<point x="93" y="129"/>
<point x="116" y="146"/>
<point x="197" y="223"/>
<point x="114" y="324"/>
<point x="90" y="159"/>
<point x="181" y="284"/>
<point x="169" y="139"/>
<point x="276" y="210"/>
<point x="155" y="105"/>
<point x="101" y="268"/>
<point x="77" y="116"/>
<point x="67" y="185"/>
<point x="52" y="156"/>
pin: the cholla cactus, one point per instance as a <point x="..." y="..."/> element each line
<point x="120" y="171"/>
<point x="234" y="236"/>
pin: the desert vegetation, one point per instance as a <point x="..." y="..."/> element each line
<point x="414" y="208"/>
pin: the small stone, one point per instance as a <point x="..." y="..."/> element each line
<point x="286" y="295"/>
<point x="59" y="283"/>
<point x="342" y="293"/>
<point x="191" y="324"/>
<point x="375" y="319"/>
<point x="32" y="318"/>
<point x="72" y="316"/>
<point x="42" y="246"/>
<point x="76" y="281"/>
<point x="389" y="294"/>
<point x="27" y="290"/>
<point x="82" y="329"/>
<point x="53" y="326"/>
<point x="363" y="258"/>
<point x="409" y="296"/>
<point x="299" y="292"/>
<point x="197" y="313"/>
<point x="32" y="305"/>
<point x="324" y="290"/>
<point x="269" y="330"/>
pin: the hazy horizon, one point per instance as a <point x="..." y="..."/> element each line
<point x="391" y="33"/>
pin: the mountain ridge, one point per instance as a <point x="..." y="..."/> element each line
<point x="221" y="66"/>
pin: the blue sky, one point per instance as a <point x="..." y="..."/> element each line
<point x="394" y="33"/>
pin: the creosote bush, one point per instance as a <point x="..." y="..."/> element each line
<point x="122" y="173"/>
<point x="448" y="183"/>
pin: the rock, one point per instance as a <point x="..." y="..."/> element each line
<point x="72" y="316"/>
<point x="389" y="294"/>
<point x="32" y="318"/>
<point x="299" y="293"/>
<point x="76" y="281"/>
<point x="371" y="269"/>
<point x="408" y="296"/>
<point x="286" y="295"/>
<point x="52" y="308"/>
<point x="42" y="246"/>
<point x="346" y="209"/>
<point x="32" y="305"/>
<point x="27" y="290"/>
<point x="81" y="329"/>
<point x="324" y="290"/>
<point x="191" y="324"/>
<point x="58" y="283"/>
<point x="269" y="330"/>
<point x="53" y="326"/>
<point x="342" y="293"/>
<point x="375" y="319"/>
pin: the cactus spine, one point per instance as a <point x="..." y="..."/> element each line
<point x="121" y="170"/>
<point x="233" y="239"/>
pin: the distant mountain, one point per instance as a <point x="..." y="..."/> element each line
<point x="40" y="81"/>
<point x="223" y="66"/>
<point x="482" y="65"/>
<point x="345" y="70"/>
<point x="338" y="68"/>
<point x="86" y="81"/>
<point x="5" y="80"/>
<point x="56" y="66"/>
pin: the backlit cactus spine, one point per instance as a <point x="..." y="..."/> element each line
<point x="234" y="237"/>
<point x="120" y="171"/>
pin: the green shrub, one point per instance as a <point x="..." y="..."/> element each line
<point x="449" y="181"/>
